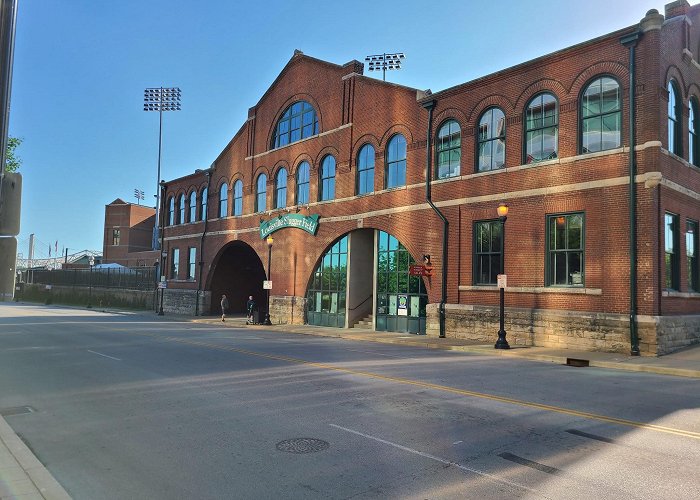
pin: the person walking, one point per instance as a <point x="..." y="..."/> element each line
<point x="224" y="307"/>
<point x="250" y="307"/>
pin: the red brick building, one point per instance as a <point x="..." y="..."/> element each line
<point x="360" y="182"/>
<point x="128" y="235"/>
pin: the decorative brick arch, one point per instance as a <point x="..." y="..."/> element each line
<point x="451" y="114"/>
<point x="616" y="70"/>
<point x="328" y="150"/>
<point x="392" y="131"/>
<point x="544" y="85"/>
<point x="280" y="164"/>
<point x="370" y="139"/>
<point x="492" y="101"/>
<point x="297" y="161"/>
<point x="673" y="73"/>
<point x="291" y="100"/>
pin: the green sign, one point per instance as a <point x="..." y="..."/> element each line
<point x="307" y="223"/>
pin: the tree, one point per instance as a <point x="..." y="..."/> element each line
<point x="12" y="162"/>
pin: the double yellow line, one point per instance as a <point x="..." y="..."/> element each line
<point x="444" y="388"/>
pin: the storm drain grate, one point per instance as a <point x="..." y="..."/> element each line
<point x="302" y="445"/>
<point x="577" y="362"/>
<point x="16" y="410"/>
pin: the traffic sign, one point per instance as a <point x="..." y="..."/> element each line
<point x="267" y="285"/>
<point x="502" y="280"/>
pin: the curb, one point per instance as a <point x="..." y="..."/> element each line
<point x="41" y="481"/>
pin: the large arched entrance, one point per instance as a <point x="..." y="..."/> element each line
<point x="363" y="279"/>
<point x="238" y="273"/>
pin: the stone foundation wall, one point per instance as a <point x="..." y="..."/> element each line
<point x="585" y="331"/>
<point x="287" y="310"/>
<point x="97" y="297"/>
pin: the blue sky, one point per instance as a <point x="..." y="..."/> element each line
<point x="81" y="67"/>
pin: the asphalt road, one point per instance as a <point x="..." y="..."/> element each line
<point x="140" y="407"/>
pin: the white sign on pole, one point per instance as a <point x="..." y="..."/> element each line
<point x="267" y="285"/>
<point x="502" y="280"/>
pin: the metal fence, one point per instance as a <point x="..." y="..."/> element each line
<point x="132" y="278"/>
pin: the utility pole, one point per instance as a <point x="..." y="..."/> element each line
<point x="10" y="183"/>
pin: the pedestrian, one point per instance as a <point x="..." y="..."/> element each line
<point x="250" y="307"/>
<point x="224" y="307"/>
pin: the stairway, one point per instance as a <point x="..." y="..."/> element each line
<point x="365" y="323"/>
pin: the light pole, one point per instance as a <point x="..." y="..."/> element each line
<point x="92" y="263"/>
<point x="502" y="211"/>
<point x="269" y="276"/>
<point x="160" y="99"/>
<point x="384" y="62"/>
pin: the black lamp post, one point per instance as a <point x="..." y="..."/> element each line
<point x="269" y="276"/>
<point x="502" y="343"/>
<point x="92" y="263"/>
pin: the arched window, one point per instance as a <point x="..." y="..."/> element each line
<point x="171" y="211"/>
<point x="298" y="121"/>
<point x="303" y="183"/>
<point x="203" y="204"/>
<point x="674" y="122"/>
<point x="541" y="129"/>
<point x="223" y="200"/>
<point x="327" y="184"/>
<point x="693" y="131"/>
<point x="491" y="140"/>
<point x="449" y="150"/>
<point x="238" y="198"/>
<point x="261" y="193"/>
<point x="601" y="116"/>
<point x="181" y="209"/>
<point x="365" y="170"/>
<point x="193" y="207"/>
<point x="396" y="162"/>
<point x="281" y="188"/>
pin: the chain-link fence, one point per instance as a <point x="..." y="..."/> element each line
<point x="132" y="278"/>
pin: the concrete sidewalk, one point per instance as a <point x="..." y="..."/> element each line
<point x="683" y="363"/>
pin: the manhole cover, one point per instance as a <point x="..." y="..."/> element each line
<point x="302" y="445"/>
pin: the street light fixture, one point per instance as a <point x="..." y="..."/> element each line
<point x="160" y="99"/>
<point x="384" y="62"/>
<point x="91" y="261"/>
<point x="502" y="343"/>
<point x="269" y="241"/>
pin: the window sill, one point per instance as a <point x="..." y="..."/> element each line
<point x="533" y="289"/>
<point x="682" y="295"/>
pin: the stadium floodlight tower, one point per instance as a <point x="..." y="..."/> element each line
<point x="384" y="62"/>
<point x="160" y="99"/>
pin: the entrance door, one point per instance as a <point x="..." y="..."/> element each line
<point x="401" y="298"/>
<point x="326" y="293"/>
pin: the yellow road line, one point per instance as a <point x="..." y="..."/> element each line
<point x="444" y="388"/>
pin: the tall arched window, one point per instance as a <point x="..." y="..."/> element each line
<point x="181" y="209"/>
<point x="298" y="121"/>
<point x="238" y="198"/>
<point x="396" y="162"/>
<point x="601" y="116"/>
<point x="223" y="200"/>
<point x="693" y="131"/>
<point x="204" y="198"/>
<point x="193" y="207"/>
<point x="171" y="211"/>
<point x="491" y="140"/>
<point x="303" y="183"/>
<point x="541" y="129"/>
<point x="261" y="193"/>
<point x="281" y="188"/>
<point x="449" y="150"/>
<point x="365" y="170"/>
<point x="327" y="184"/>
<point x="674" y="116"/>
